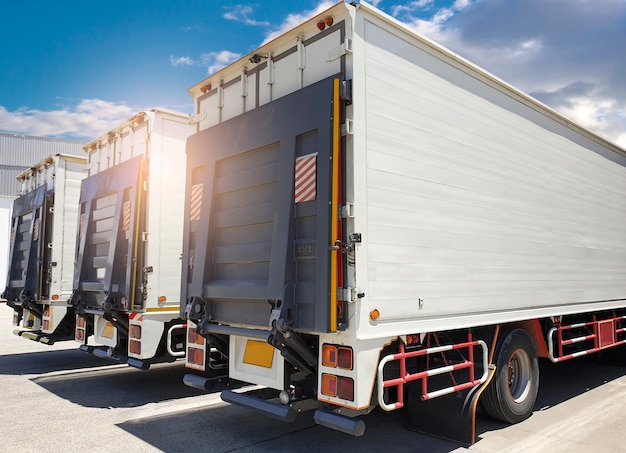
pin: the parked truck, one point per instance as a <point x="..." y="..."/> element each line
<point x="41" y="256"/>
<point x="127" y="272"/>
<point x="373" y="221"/>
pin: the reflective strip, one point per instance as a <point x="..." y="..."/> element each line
<point x="196" y="202"/>
<point x="81" y="227"/>
<point x="126" y="216"/>
<point x="36" y="230"/>
<point x="306" y="178"/>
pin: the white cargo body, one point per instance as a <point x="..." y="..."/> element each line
<point x="127" y="278"/>
<point x="449" y="217"/>
<point x="43" y="240"/>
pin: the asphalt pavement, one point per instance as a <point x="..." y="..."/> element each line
<point x="59" y="399"/>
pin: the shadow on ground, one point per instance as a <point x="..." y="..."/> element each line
<point x="120" y="386"/>
<point x="228" y="428"/>
<point x="48" y="362"/>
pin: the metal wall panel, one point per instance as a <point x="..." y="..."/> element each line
<point x="19" y="152"/>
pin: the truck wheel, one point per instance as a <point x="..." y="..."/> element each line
<point x="511" y="395"/>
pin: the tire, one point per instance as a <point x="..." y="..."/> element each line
<point x="511" y="395"/>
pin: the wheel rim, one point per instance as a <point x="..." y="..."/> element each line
<point x="519" y="375"/>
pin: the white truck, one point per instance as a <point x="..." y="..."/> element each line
<point x="374" y="221"/>
<point x="127" y="272"/>
<point x="41" y="256"/>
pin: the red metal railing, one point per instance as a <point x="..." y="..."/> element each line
<point x="604" y="334"/>
<point x="405" y="377"/>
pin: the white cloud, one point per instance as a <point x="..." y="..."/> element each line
<point x="181" y="61"/>
<point x="293" y="20"/>
<point x="242" y="13"/>
<point x="215" y="61"/>
<point x="413" y="13"/>
<point x="412" y="7"/>
<point x="89" y="119"/>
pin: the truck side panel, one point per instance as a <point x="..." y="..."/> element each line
<point x="474" y="203"/>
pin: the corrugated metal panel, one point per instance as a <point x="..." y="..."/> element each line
<point x="20" y="152"/>
<point x="8" y="183"/>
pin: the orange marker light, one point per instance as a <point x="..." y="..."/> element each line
<point x="135" y="347"/>
<point x="329" y="384"/>
<point x="329" y="355"/>
<point x="374" y="314"/>
<point x="135" y="331"/>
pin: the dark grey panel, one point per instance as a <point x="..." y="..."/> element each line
<point x="252" y="244"/>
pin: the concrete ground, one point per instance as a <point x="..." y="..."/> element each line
<point x="59" y="399"/>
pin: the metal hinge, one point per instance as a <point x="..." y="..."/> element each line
<point x="144" y="236"/>
<point x="146" y="185"/>
<point x="196" y="118"/>
<point x="346" y="91"/>
<point x="347" y="128"/>
<point x="347" y="211"/>
<point x="341" y="50"/>
<point x="346" y="294"/>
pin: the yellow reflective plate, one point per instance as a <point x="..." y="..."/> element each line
<point x="258" y="353"/>
<point x="108" y="330"/>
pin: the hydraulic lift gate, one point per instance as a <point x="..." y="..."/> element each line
<point x="108" y="257"/>
<point x="257" y="236"/>
<point x="29" y="257"/>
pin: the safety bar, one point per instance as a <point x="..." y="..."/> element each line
<point x="597" y="343"/>
<point x="423" y="375"/>
<point x="170" y="351"/>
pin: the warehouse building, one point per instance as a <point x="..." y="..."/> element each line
<point x="17" y="154"/>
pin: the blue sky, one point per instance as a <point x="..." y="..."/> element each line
<point x="76" y="69"/>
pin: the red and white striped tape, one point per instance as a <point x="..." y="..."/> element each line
<point x="306" y="178"/>
<point x="36" y="229"/>
<point x="126" y="215"/>
<point x="196" y="202"/>
<point x="81" y="226"/>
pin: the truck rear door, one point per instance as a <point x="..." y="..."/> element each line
<point x="110" y="252"/>
<point x="29" y="259"/>
<point x="258" y="228"/>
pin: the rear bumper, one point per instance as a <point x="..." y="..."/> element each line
<point x="324" y="415"/>
<point x="41" y="337"/>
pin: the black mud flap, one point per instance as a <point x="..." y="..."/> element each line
<point x="450" y="416"/>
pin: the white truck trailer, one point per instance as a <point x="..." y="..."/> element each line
<point x="41" y="256"/>
<point x="372" y="220"/>
<point x="127" y="273"/>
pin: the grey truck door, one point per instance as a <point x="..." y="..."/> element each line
<point x="28" y="257"/>
<point x="109" y="255"/>
<point x="258" y="224"/>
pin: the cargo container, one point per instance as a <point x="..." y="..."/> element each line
<point x="41" y="256"/>
<point x="127" y="273"/>
<point x="373" y="221"/>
